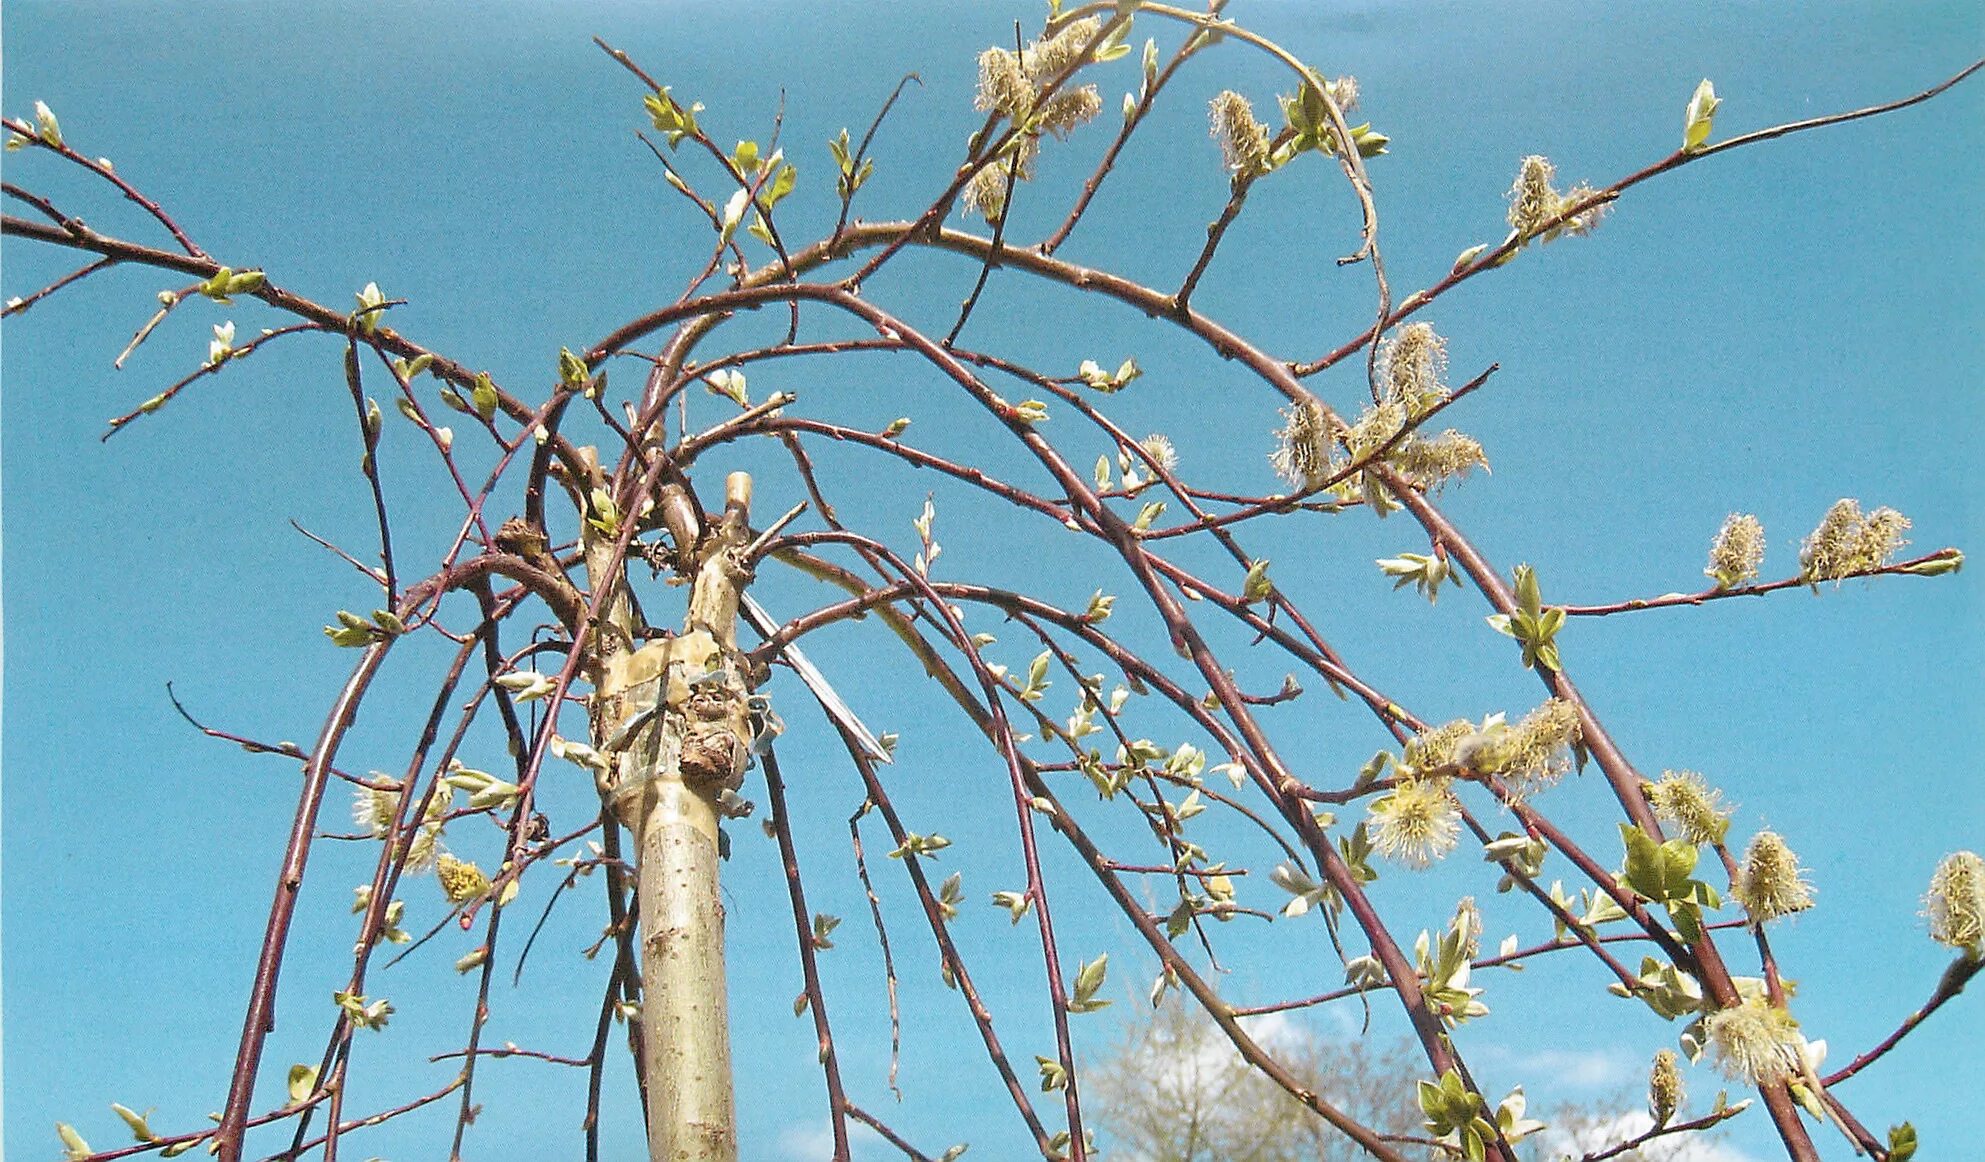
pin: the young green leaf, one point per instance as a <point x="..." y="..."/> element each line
<point x="733" y="214"/>
<point x="140" y="1129"/>
<point x="371" y="304"/>
<point x="1257" y="586"/>
<point x="49" y="130"/>
<point x="1088" y="981"/>
<point x="482" y="395"/>
<point x="1699" y="119"/>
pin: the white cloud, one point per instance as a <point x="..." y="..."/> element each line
<point x="1677" y="1148"/>
<point x="1277" y="1031"/>
<point x="1586" y="1069"/>
<point x="812" y="1142"/>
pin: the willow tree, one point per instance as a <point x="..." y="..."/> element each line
<point x="607" y="545"/>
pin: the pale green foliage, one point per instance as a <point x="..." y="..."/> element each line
<point x="1698" y="120"/>
<point x="1532" y="625"/>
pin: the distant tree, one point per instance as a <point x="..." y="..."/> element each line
<point x="585" y="609"/>
<point x="1174" y="1090"/>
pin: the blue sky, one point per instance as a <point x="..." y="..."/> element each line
<point x="1766" y="331"/>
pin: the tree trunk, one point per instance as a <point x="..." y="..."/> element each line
<point x="673" y="723"/>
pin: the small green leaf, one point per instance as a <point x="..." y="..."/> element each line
<point x="606" y="514"/>
<point x="221" y="348"/>
<point x="729" y="383"/>
<point x="1949" y="561"/>
<point x="371" y="304"/>
<point x="571" y="369"/>
<point x="215" y="288"/>
<point x="1699" y="119"/>
<point x="73" y="1147"/>
<point x="1257" y="586"/>
<point x="50" y="131"/>
<point x="527" y="686"/>
<point x="1529" y="597"/>
<point x="140" y="1130"/>
<point x="1113" y="46"/>
<point x="1427" y="573"/>
<point x="482" y="395"/>
<point x="494" y="793"/>
<point x="674" y="121"/>
<point x="1092" y="375"/>
<point x="924" y="845"/>
<point x="1902" y="1142"/>
<point x="353" y="631"/>
<point x="1016" y="903"/>
<point x="733" y="214"/>
<point x="1369" y="143"/>
<point x="1088" y="981"/>
<point x="950" y="894"/>
<point x="782" y="184"/>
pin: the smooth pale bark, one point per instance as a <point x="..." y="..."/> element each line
<point x="684" y="699"/>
